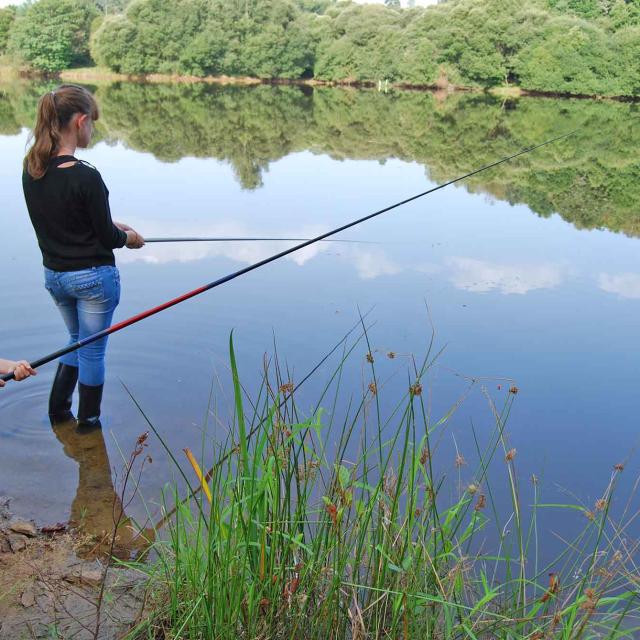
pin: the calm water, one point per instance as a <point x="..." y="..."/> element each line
<point x="530" y="273"/>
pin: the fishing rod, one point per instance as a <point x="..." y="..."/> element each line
<point x="230" y="239"/>
<point x="193" y="492"/>
<point x="261" y="263"/>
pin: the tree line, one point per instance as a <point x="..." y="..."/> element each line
<point x="589" y="47"/>
<point x="592" y="178"/>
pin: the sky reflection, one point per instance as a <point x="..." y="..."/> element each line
<point x="511" y="296"/>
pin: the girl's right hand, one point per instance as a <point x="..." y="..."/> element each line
<point x="134" y="240"/>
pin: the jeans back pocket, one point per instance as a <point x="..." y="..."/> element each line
<point x="86" y="285"/>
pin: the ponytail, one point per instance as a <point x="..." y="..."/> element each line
<point x="55" y="110"/>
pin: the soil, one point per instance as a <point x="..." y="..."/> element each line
<point x="51" y="588"/>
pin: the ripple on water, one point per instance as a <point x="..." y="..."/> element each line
<point x="24" y="410"/>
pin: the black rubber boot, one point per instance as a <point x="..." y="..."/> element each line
<point x="89" y="409"/>
<point x="61" y="394"/>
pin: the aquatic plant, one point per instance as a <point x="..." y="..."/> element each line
<point x="340" y="525"/>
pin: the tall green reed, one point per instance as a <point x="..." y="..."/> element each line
<point x="357" y="540"/>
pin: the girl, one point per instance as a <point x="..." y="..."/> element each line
<point x="68" y="205"/>
<point x="20" y="370"/>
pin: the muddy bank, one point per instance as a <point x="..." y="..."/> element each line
<point x="50" y="588"/>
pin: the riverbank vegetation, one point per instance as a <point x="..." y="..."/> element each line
<point x="591" y="179"/>
<point x="364" y="522"/>
<point x="588" y="47"/>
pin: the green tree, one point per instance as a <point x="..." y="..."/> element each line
<point x="572" y="56"/>
<point x="314" y="6"/>
<point x="150" y="37"/>
<point x="624" y="13"/>
<point x="590" y="9"/>
<point x="626" y="44"/>
<point x="53" y="34"/>
<point x="7" y="18"/>
<point x="476" y="40"/>
<point x="363" y="44"/>
<point x="109" y="7"/>
<point x="264" y="38"/>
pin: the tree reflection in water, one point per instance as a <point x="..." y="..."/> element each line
<point x="591" y="179"/>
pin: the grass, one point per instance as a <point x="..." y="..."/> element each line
<point x="310" y="527"/>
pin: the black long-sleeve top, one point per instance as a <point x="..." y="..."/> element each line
<point x="69" y="210"/>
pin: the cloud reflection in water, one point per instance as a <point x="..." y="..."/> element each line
<point x="479" y="276"/>
<point x="626" y="285"/>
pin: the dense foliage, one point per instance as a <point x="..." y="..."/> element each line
<point x="7" y="16"/>
<point x="591" y="179"/>
<point x="562" y="46"/>
<point x="202" y="37"/>
<point x="53" y="34"/>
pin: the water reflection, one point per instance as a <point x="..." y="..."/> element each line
<point x="97" y="510"/>
<point x="479" y="276"/>
<point x="590" y="178"/>
<point x="471" y="258"/>
<point x="626" y="285"/>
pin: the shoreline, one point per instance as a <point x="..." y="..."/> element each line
<point x="47" y="581"/>
<point x="98" y="75"/>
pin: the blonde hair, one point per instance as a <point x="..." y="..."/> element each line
<point x="55" y="110"/>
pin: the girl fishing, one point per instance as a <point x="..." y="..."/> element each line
<point x="21" y="369"/>
<point x="68" y="205"/>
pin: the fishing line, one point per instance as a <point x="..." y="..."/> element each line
<point x="261" y="263"/>
<point x="229" y="239"/>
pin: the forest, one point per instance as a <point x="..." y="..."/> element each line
<point x="577" y="47"/>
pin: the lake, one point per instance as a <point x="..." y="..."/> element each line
<point x="528" y="273"/>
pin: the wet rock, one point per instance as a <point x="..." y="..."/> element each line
<point x="28" y="598"/>
<point x="51" y="529"/>
<point x="88" y="577"/>
<point x="17" y="542"/>
<point x="24" y="528"/>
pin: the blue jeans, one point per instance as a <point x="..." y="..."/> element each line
<point x="86" y="299"/>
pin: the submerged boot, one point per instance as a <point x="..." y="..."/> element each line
<point x="89" y="409"/>
<point x="61" y="394"/>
